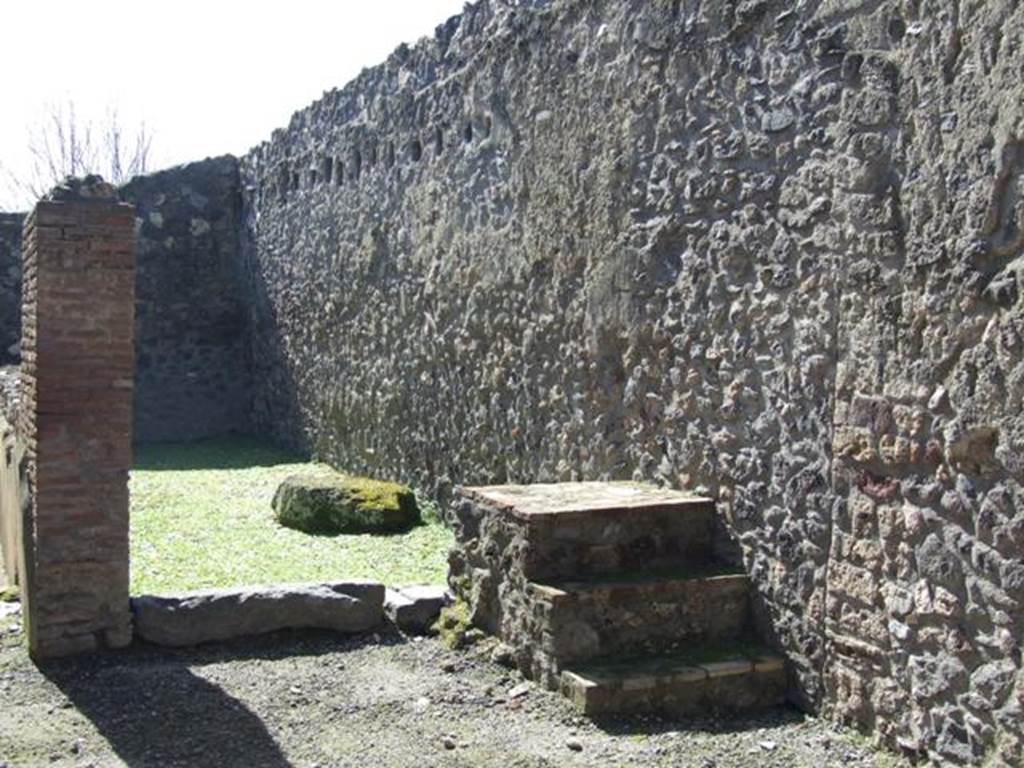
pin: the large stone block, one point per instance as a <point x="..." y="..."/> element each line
<point x="329" y="503"/>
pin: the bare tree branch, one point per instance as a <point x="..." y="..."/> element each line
<point x="62" y="144"/>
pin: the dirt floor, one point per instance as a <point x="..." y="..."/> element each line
<point x="316" y="699"/>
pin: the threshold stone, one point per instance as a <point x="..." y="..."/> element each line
<point x="203" y="616"/>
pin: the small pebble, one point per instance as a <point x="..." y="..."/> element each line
<point x="449" y="742"/>
<point x="520" y="690"/>
<point x="574" y="745"/>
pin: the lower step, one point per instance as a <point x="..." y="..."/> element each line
<point x="644" y="613"/>
<point x="712" y="679"/>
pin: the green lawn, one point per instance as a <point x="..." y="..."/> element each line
<point x="201" y="517"/>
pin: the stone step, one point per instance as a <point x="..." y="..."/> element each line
<point x="573" y="530"/>
<point x="714" y="678"/>
<point x="638" y="613"/>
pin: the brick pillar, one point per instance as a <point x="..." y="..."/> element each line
<point x="78" y="361"/>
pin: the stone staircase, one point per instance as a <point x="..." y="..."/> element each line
<point x="609" y="592"/>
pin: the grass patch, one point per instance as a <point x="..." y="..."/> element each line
<point x="201" y="517"/>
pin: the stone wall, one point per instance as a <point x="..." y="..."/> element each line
<point x="764" y="252"/>
<point x="192" y="378"/>
<point x="767" y="252"/>
<point x="924" y="615"/>
<point x="10" y="286"/>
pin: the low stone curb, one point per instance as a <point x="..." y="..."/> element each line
<point x="197" y="617"/>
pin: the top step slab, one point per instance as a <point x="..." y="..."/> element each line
<point x="566" y="500"/>
<point x="577" y="530"/>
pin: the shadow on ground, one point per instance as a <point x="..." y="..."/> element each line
<point x="177" y="718"/>
<point x="155" y="708"/>
<point x="273" y="646"/>
<point x="220" y="453"/>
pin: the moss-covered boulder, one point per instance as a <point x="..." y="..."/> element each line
<point x="335" y="503"/>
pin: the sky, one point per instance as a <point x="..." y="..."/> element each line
<point x="205" y="76"/>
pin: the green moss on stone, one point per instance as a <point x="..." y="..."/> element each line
<point x="461" y="585"/>
<point x="453" y="624"/>
<point x="9" y="595"/>
<point x="330" y="503"/>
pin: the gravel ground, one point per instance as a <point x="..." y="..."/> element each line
<point x="317" y="699"/>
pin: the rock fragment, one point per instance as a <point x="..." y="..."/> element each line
<point x="415" y="609"/>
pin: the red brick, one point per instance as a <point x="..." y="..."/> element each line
<point x="78" y="364"/>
